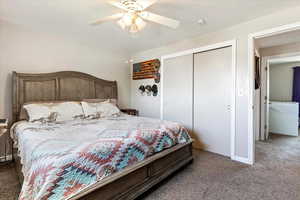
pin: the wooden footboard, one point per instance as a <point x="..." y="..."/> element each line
<point x="18" y="165"/>
<point x="135" y="180"/>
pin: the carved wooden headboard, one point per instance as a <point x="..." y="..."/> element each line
<point x="58" y="86"/>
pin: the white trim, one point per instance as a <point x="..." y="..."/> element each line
<point x="251" y="131"/>
<point x="286" y="59"/>
<point x="242" y="160"/>
<point x="229" y="43"/>
<point x="276" y="30"/>
<point x="251" y="53"/>
<point x="282" y="56"/>
<point x="233" y="100"/>
<point x="200" y="49"/>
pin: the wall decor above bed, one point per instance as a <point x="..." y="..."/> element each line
<point x="146" y="70"/>
<point x="149" y="90"/>
<point x="142" y="89"/>
<point x="154" y="90"/>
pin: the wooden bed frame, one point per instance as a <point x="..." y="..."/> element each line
<point x="68" y="85"/>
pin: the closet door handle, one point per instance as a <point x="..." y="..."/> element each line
<point x="228" y="107"/>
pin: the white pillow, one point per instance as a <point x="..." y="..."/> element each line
<point x="54" y="111"/>
<point x="68" y="111"/>
<point x="113" y="101"/>
<point x="37" y="112"/>
<point x="100" y="109"/>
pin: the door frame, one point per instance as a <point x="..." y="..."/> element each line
<point x="229" y="43"/>
<point x="251" y="65"/>
<point x="266" y="63"/>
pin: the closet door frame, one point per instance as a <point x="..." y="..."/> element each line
<point x="232" y="44"/>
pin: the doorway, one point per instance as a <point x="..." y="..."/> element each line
<point x="269" y="46"/>
<point x="282" y="107"/>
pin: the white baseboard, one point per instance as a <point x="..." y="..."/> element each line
<point x="242" y="160"/>
<point x="8" y="158"/>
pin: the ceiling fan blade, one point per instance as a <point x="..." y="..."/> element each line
<point x="160" y="19"/>
<point x="118" y="5"/>
<point x="147" y="3"/>
<point x="106" y="19"/>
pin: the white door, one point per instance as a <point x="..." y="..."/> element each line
<point x="177" y="93"/>
<point x="264" y="124"/>
<point x="212" y="99"/>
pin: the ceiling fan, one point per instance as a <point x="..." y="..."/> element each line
<point x="134" y="17"/>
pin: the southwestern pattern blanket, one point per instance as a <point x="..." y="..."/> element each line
<point x="61" y="159"/>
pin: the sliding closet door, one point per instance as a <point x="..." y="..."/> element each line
<point x="212" y="99"/>
<point x="177" y="101"/>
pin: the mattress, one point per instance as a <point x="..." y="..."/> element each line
<point x="61" y="159"/>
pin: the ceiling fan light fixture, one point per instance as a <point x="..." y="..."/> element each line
<point x="122" y="24"/>
<point x="133" y="28"/>
<point x="128" y="18"/>
<point x="134" y="17"/>
<point x="131" y="22"/>
<point x="144" y="14"/>
<point x="140" y="23"/>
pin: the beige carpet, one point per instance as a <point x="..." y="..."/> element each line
<point x="275" y="176"/>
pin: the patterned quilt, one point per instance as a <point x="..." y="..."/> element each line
<point x="61" y="159"/>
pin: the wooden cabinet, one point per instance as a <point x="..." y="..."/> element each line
<point x="3" y="126"/>
<point x="4" y="137"/>
<point x="130" y="111"/>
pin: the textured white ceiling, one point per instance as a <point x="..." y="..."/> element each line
<point x="69" y="18"/>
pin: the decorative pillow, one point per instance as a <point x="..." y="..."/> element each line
<point x="113" y="101"/>
<point x="50" y="112"/>
<point x="38" y="112"/>
<point x="23" y="114"/>
<point x="68" y="111"/>
<point x="99" y="110"/>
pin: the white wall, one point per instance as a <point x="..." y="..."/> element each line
<point x="25" y="50"/>
<point x="281" y="81"/>
<point x="146" y="105"/>
<point x="240" y="32"/>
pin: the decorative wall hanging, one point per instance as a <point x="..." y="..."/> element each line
<point x="157" y="77"/>
<point x="142" y="89"/>
<point x="148" y="90"/>
<point x="146" y="70"/>
<point x="154" y="90"/>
